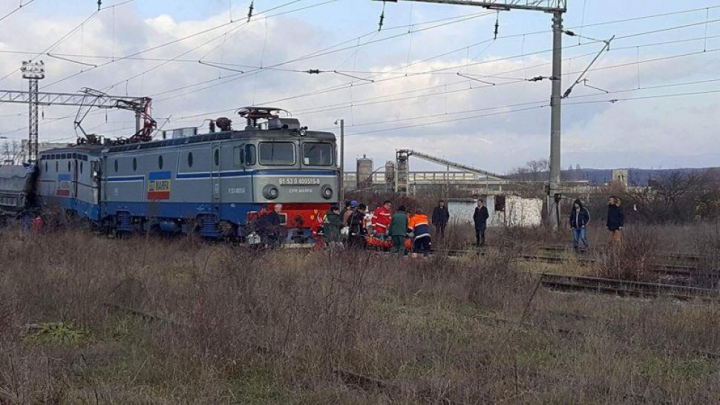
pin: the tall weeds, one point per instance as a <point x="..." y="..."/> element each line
<point x="181" y="321"/>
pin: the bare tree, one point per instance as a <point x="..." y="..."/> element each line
<point x="12" y="153"/>
<point x="534" y="170"/>
<point x="677" y="196"/>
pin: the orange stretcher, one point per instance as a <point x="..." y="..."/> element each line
<point x="377" y="243"/>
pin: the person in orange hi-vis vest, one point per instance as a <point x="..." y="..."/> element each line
<point x="421" y="233"/>
<point x="381" y="219"/>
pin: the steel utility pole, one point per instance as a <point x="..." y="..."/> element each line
<point x="33" y="71"/>
<point x="554" y="198"/>
<point x="341" y="192"/>
<point x="556" y="8"/>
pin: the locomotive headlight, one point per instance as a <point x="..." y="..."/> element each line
<point x="326" y="192"/>
<point x="270" y="192"/>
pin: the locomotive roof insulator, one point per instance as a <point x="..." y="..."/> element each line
<point x="224" y="123"/>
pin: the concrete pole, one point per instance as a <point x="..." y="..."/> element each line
<point x="341" y="194"/>
<point x="555" y="120"/>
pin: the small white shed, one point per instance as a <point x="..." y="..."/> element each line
<point x="516" y="211"/>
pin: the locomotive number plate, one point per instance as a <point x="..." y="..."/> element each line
<point x="299" y="181"/>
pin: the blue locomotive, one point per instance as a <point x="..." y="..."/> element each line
<point x="213" y="183"/>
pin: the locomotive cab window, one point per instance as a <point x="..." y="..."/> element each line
<point x="244" y="155"/>
<point x="317" y="154"/>
<point x="277" y="153"/>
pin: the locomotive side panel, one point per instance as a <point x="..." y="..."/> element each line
<point x="66" y="181"/>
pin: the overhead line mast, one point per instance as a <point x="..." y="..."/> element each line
<point x="85" y="100"/>
<point x="557" y="8"/>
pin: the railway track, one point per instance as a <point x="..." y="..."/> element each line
<point x="625" y="287"/>
<point x="686" y="269"/>
<point x="665" y="256"/>
<point x="677" y="270"/>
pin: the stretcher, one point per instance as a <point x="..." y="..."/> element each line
<point x="384" y="244"/>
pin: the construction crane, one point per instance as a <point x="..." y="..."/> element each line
<point x="402" y="167"/>
<point x="85" y="100"/>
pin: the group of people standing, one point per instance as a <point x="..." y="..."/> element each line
<point x="580" y="218"/>
<point x="401" y="225"/>
<point x="396" y="227"/>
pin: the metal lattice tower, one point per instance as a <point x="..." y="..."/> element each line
<point x="33" y="71"/>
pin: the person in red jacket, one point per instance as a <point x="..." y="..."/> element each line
<point x="37" y="224"/>
<point x="381" y="219"/>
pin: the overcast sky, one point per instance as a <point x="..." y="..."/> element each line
<point x="433" y="79"/>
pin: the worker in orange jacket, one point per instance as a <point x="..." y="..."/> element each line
<point x="381" y="219"/>
<point x="421" y="233"/>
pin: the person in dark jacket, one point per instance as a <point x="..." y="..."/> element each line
<point x="615" y="221"/>
<point x="398" y="231"/>
<point x="270" y="227"/>
<point x="331" y="226"/>
<point x="357" y="230"/>
<point x="480" y="218"/>
<point x="579" y="218"/>
<point x="440" y="218"/>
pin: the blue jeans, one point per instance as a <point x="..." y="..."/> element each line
<point x="579" y="234"/>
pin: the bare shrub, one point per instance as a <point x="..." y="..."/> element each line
<point x="706" y="239"/>
<point x="631" y="260"/>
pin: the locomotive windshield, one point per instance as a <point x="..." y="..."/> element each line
<point x="277" y="153"/>
<point x="317" y="154"/>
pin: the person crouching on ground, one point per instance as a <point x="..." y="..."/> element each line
<point x="579" y="218"/>
<point x="398" y="231"/>
<point x="615" y="221"/>
<point x="421" y="228"/>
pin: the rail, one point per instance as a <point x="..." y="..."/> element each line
<point x="625" y="287"/>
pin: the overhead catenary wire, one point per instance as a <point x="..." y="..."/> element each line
<point x="665" y="42"/>
<point x="511" y="111"/>
<point x="15" y="10"/>
<point x="435" y="71"/>
<point x="375" y="100"/>
<point x="168" y="43"/>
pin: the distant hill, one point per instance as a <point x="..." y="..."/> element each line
<point x="636" y="177"/>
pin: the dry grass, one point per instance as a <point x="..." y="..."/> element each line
<point x="215" y="324"/>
